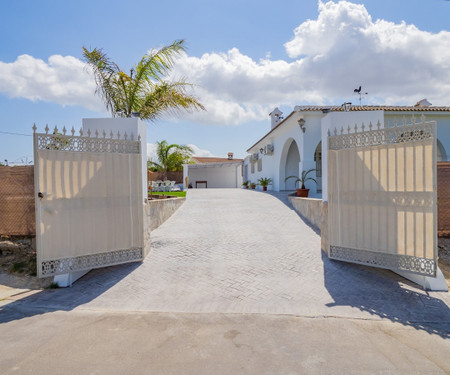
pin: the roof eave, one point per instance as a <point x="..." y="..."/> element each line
<point x="272" y="130"/>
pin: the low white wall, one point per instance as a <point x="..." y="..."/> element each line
<point x="309" y="208"/>
<point x="157" y="211"/>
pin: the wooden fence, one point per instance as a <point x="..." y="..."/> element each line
<point x="172" y="176"/>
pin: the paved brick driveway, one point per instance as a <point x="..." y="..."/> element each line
<point x="241" y="251"/>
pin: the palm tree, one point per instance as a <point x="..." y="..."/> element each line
<point x="145" y="91"/>
<point x="171" y="157"/>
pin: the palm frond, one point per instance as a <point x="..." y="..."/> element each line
<point x="169" y="98"/>
<point x="104" y="73"/>
<point x="144" y="90"/>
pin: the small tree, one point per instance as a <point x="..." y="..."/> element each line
<point x="145" y="90"/>
<point x="303" y="179"/>
<point x="171" y="157"/>
<point x="265" y="181"/>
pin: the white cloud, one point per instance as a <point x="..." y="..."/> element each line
<point x="236" y="89"/>
<point x="329" y="56"/>
<point x="200" y="152"/>
<point x="151" y="151"/>
<point x="344" y="48"/>
<point x="63" y="80"/>
<point x="335" y="53"/>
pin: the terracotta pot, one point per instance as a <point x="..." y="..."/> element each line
<point x="246" y="186"/>
<point x="302" y="193"/>
<point x="264" y="188"/>
<point x="253" y="187"/>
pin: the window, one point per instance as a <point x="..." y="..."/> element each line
<point x="259" y="165"/>
<point x="318" y="159"/>
<point x="253" y="168"/>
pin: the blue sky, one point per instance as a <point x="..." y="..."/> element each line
<point x="246" y="57"/>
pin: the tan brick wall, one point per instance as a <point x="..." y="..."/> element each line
<point x="443" y="196"/>
<point x="17" y="217"/>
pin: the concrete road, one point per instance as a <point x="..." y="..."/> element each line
<point x="165" y="343"/>
<point x="235" y="283"/>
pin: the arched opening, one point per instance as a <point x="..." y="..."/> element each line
<point x="318" y="161"/>
<point x="441" y="154"/>
<point x="291" y="165"/>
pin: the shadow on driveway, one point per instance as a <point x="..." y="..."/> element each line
<point x="86" y="289"/>
<point x="380" y="293"/>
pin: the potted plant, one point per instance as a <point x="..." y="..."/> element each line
<point x="302" y="192"/>
<point x="264" y="182"/>
<point x="245" y="183"/>
<point x="252" y="185"/>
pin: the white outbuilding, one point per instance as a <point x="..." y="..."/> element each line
<point x="212" y="172"/>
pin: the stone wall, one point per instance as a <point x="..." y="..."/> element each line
<point x="157" y="211"/>
<point x="309" y="208"/>
<point x="324" y="229"/>
<point x="443" y="197"/>
<point x="316" y="212"/>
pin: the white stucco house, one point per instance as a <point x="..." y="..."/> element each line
<point x="294" y="143"/>
<point x="213" y="172"/>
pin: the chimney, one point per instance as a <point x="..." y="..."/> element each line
<point x="230" y="156"/>
<point x="422" y="103"/>
<point x="275" y="117"/>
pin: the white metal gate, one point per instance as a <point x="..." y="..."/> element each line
<point x="382" y="196"/>
<point x="89" y="206"/>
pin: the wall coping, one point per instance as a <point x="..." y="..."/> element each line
<point x="156" y="201"/>
<point x="306" y="199"/>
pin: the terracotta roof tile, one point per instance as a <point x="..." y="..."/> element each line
<point x="355" y="108"/>
<point x="205" y="160"/>
<point x="400" y="108"/>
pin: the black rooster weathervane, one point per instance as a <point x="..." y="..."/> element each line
<point x="358" y="91"/>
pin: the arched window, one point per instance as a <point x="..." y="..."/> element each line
<point x="441" y="154"/>
<point x="318" y="159"/>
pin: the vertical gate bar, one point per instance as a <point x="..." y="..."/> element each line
<point x="434" y="166"/>
<point x="405" y="213"/>
<point x="130" y="198"/>
<point x="363" y="206"/>
<point x="369" y="197"/>
<point x="372" y="208"/>
<point x="388" y="188"/>
<point x="37" y="210"/>
<point x="338" y="198"/>
<point x="424" y="184"/>
<point x="378" y="194"/>
<point x="414" y="146"/>
<point x="355" y="206"/>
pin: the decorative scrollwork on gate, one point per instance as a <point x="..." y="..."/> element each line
<point x="384" y="260"/>
<point x="397" y="133"/>
<point x="85" y="262"/>
<point x="58" y="141"/>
